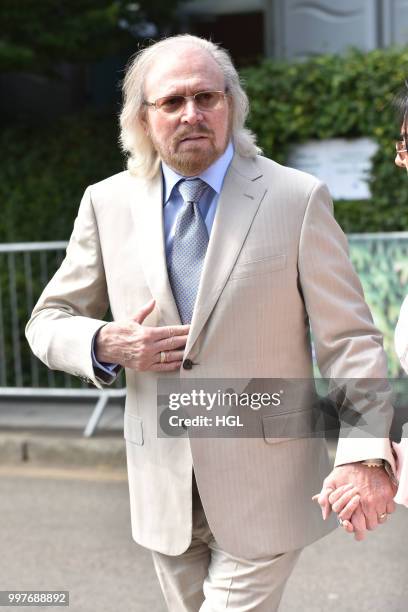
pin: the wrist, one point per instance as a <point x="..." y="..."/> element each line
<point x="381" y="463"/>
<point x="101" y="342"/>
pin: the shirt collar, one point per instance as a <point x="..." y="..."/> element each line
<point x="214" y="175"/>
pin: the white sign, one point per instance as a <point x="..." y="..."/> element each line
<point x="344" y="165"/>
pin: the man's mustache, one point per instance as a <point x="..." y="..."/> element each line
<point x="197" y="131"/>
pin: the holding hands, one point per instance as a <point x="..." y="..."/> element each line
<point x="361" y="496"/>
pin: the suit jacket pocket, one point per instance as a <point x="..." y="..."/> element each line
<point x="133" y="429"/>
<point x="288" y="426"/>
<point x="261" y="265"/>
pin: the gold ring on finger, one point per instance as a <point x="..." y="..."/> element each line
<point x="162" y="356"/>
<point x="382" y="516"/>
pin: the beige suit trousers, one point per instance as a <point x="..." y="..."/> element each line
<point x="205" y="578"/>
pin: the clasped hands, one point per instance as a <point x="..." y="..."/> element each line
<point x="140" y="347"/>
<point x="361" y="496"/>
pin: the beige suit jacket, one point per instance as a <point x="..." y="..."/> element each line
<point x="276" y="261"/>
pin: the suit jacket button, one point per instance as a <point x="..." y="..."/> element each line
<point x="187" y="364"/>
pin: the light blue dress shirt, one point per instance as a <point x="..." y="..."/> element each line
<point x="172" y="203"/>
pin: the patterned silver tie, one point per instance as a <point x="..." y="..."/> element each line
<point x="189" y="247"/>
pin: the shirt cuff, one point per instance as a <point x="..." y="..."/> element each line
<point x="105" y="372"/>
<point x="351" y="450"/>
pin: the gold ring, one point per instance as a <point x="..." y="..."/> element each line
<point x="162" y="357"/>
<point x="382" y="516"/>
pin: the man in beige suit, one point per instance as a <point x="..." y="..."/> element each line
<point x="216" y="277"/>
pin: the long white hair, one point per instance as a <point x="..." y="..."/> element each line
<point x="142" y="157"/>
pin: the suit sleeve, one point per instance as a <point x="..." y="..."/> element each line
<point x="348" y="346"/>
<point x="72" y="306"/>
<point x="401" y="335"/>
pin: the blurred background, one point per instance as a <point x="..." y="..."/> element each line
<point x="321" y="76"/>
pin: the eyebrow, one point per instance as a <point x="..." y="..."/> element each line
<point x="199" y="90"/>
<point x="202" y="87"/>
<point x="170" y="95"/>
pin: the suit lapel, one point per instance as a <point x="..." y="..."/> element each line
<point x="147" y="212"/>
<point x="241" y="195"/>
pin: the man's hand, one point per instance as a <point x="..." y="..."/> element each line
<point x="361" y="505"/>
<point x="142" y="348"/>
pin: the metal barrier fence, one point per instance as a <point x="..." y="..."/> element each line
<point x="381" y="260"/>
<point x="25" y="269"/>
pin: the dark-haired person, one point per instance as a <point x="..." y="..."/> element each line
<point x="215" y="262"/>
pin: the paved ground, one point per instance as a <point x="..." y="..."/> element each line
<point x="67" y="526"/>
<point x="70" y="529"/>
<point x="51" y="432"/>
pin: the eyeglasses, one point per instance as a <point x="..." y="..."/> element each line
<point x="204" y="101"/>
<point x="401" y="148"/>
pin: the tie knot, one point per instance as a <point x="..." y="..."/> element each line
<point x="191" y="190"/>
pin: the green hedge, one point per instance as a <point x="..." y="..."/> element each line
<point x="44" y="170"/>
<point x="334" y="96"/>
<point x="43" y="174"/>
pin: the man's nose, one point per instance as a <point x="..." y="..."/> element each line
<point x="191" y="113"/>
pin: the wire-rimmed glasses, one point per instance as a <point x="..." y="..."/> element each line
<point x="173" y="104"/>
<point x="402" y="152"/>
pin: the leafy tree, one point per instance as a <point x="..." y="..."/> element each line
<point x="37" y="34"/>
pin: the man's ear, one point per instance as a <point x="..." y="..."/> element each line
<point x="143" y="121"/>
